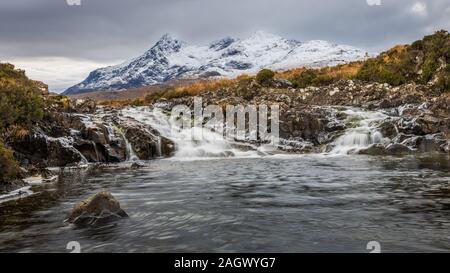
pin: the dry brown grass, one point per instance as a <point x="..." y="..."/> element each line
<point x="344" y="71"/>
<point x="395" y="53"/>
<point x="196" y="88"/>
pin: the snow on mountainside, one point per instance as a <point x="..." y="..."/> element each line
<point x="171" y="59"/>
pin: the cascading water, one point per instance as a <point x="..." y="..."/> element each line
<point x="131" y="156"/>
<point x="191" y="143"/>
<point x="362" y="134"/>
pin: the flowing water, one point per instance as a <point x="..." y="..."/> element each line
<point x="363" y="132"/>
<point x="215" y="195"/>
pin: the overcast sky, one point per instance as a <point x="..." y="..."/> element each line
<point x="61" y="44"/>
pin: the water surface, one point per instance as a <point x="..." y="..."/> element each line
<point x="310" y="203"/>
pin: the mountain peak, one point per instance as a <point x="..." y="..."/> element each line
<point x="222" y="43"/>
<point x="167" y="37"/>
<point x="167" y="42"/>
<point x="170" y="59"/>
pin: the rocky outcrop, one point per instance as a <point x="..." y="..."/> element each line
<point x="68" y="138"/>
<point x="146" y="142"/>
<point x="42" y="150"/>
<point x="311" y="118"/>
<point x="396" y="149"/>
<point x="317" y="125"/>
<point x="97" y="209"/>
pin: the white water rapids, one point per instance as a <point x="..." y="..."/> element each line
<point x="193" y="143"/>
<point x="362" y="134"/>
<point x="197" y="143"/>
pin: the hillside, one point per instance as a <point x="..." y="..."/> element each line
<point x="21" y="106"/>
<point x="425" y="61"/>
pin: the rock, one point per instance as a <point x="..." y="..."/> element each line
<point x="99" y="208"/>
<point x="398" y="149"/>
<point x="38" y="149"/>
<point x="306" y="123"/>
<point x="146" y="142"/>
<point x="376" y="149"/>
<point x="430" y="124"/>
<point x="388" y="128"/>
<point x="282" y="83"/>
<point x="426" y="144"/>
<point x="11" y="186"/>
<point x="136" y="166"/>
<point x="85" y="106"/>
<point x="392" y="149"/>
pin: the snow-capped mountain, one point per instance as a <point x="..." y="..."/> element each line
<point x="171" y="59"/>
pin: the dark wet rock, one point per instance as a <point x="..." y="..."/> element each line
<point x="137" y="165"/>
<point x="11" y="186"/>
<point x="33" y="170"/>
<point x="87" y="106"/>
<point x="392" y="149"/>
<point x="376" y="149"/>
<point x="38" y="149"/>
<point x="426" y="144"/>
<point x="388" y="128"/>
<point x="296" y="146"/>
<point x="146" y="142"/>
<point x="97" y="209"/>
<point x="398" y="149"/>
<point x="310" y="124"/>
<point x="419" y="124"/>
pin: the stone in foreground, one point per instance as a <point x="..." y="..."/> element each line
<point x="99" y="208"/>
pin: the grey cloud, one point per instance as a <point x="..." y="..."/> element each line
<point x="119" y="29"/>
<point x="60" y="44"/>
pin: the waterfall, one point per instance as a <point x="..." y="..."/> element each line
<point x="158" y="147"/>
<point x="191" y="143"/>
<point x="362" y="134"/>
<point x="131" y="156"/>
<point x="68" y="144"/>
<point x="96" y="151"/>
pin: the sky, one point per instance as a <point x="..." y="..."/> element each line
<point x="60" y="43"/>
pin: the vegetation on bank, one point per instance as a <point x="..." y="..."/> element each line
<point x="424" y="61"/>
<point x="21" y="106"/>
<point x="9" y="168"/>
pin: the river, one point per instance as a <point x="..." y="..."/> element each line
<point x="213" y="197"/>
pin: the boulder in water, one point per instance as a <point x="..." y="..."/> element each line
<point x="392" y="149"/>
<point x="398" y="149"/>
<point x="99" y="208"/>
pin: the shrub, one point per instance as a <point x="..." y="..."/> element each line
<point x="304" y="79"/>
<point x="315" y="78"/>
<point x="265" y="76"/>
<point x="443" y="83"/>
<point x="419" y="62"/>
<point x="19" y="105"/>
<point x="9" y="168"/>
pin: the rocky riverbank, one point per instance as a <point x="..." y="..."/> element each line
<point x="394" y="104"/>
<point x="415" y="118"/>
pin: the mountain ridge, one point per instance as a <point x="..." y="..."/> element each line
<point x="173" y="59"/>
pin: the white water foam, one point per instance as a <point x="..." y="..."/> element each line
<point x="363" y="134"/>
<point x="192" y="143"/>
